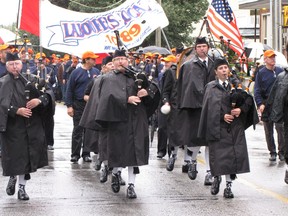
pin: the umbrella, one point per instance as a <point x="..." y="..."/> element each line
<point x="6" y="36"/>
<point x="281" y="60"/>
<point x="154" y="49"/>
<point x="255" y="49"/>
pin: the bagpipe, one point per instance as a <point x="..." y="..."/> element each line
<point x="139" y="75"/>
<point x="142" y="81"/>
<point x="34" y="85"/>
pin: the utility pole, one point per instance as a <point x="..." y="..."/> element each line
<point x="158" y="32"/>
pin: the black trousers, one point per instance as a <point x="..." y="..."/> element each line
<point x="162" y="134"/>
<point x="49" y="129"/>
<point x="269" y="134"/>
<point x="286" y="134"/>
<point x="78" y="131"/>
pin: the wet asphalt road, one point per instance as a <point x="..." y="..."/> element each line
<point x="63" y="188"/>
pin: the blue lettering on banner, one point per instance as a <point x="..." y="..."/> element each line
<point x="74" y="31"/>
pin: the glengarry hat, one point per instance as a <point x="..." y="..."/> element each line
<point x="220" y="61"/>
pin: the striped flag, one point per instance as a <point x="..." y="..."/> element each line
<point x="222" y="22"/>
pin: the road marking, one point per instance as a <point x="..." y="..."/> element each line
<point x="263" y="190"/>
<point x="257" y="187"/>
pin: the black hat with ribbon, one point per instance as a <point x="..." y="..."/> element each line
<point x="119" y="53"/>
<point x="12" y="57"/>
<point x="201" y="40"/>
<point x="219" y="61"/>
<point x="107" y="59"/>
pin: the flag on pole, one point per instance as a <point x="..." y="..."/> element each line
<point x="29" y="16"/>
<point x="222" y="22"/>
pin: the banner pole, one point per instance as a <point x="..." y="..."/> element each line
<point x="165" y="38"/>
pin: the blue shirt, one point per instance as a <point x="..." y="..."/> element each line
<point x="263" y="84"/>
<point x="2" y="69"/>
<point x="77" y="84"/>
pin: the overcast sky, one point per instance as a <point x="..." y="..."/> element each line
<point x="9" y="9"/>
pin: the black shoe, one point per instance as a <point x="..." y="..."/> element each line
<point x="171" y="162"/>
<point x="228" y="192"/>
<point x="74" y="159"/>
<point x="87" y="159"/>
<point x="281" y="157"/>
<point x="10" y="189"/>
<point x="185" y="168"/>
<point x="122" y="182"/>
<point x="286" y="177"/>
<point x="208" y="179"/>
<point x="115" y="183"/>
<point x="50" y="147"/>
<point x="216" y="185"/>
<point x="98" y="164"/>
<point x="192" y="171"/>
<point x="104" y="174"/>
<point x="273" y="157"/>
<point x="22" y="195"/>
<point x="160" y="155"/>
<point x="131" y="192"/>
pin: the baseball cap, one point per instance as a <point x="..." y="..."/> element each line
<point x="269" y="53"/>
<point x="170" y="58"/>
<point x="4" y="46"/>
<point x="89" y="54"/>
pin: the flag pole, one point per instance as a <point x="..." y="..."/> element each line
<point x="40" y="40"/>
<point x="17" y="22"/>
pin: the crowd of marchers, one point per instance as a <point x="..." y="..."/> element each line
<point x="189" y="98"/>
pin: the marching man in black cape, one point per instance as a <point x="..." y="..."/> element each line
<point x="223" y="126"/>
<point x="22" y="111"/>
<point x="122" y="107"/>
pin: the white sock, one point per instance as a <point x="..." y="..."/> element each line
<point x="187" y="158"/>
<point x="105" y="162"/>
<point x="194" y="151"/>
<point x="207" y="158"/>
<point x="131" y="175"/>
<point x="115" y="170"/>
<point x="228" y="178"/>
<point x="22" y="180"/>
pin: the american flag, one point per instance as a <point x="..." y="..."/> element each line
<point x="222" y="22"/>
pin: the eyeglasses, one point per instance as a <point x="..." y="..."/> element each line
<point x="120" y="59"/>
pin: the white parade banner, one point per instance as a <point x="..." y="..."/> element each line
<point x="74" y="32"/>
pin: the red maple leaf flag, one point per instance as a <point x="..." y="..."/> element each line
<point x="29" y="16"/>
<point x="222" y="22"/>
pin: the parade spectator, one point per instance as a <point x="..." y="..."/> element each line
<point x="263" y="84"/>
<point x="4" y="49"/>
<point x="78" y="81"/>
<point x="21" y="125"/>
<point x="276" y="109"/>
